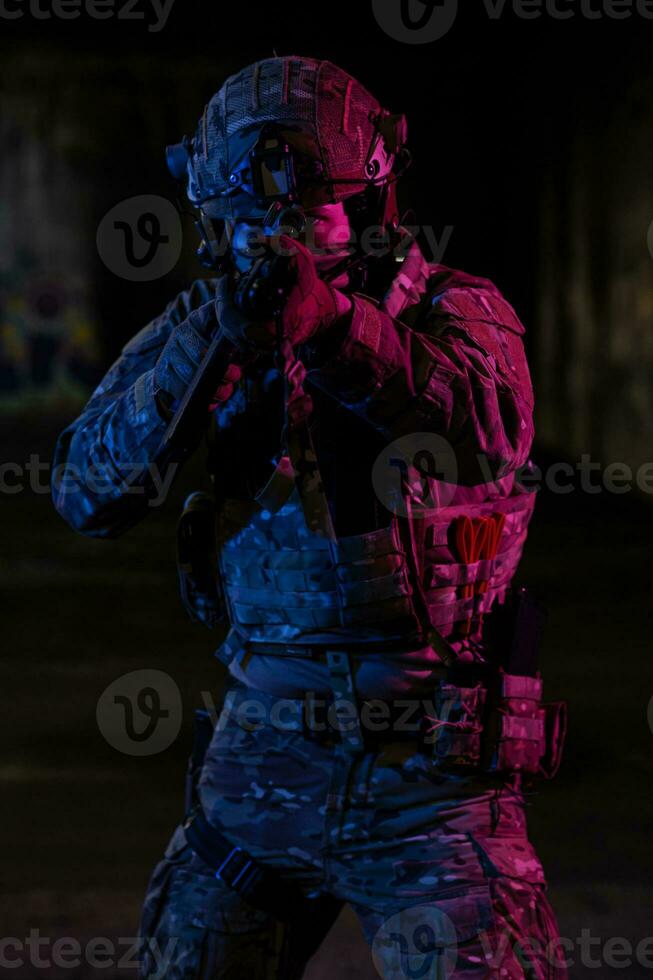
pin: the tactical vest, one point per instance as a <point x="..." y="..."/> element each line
<point x="282" y="583"/>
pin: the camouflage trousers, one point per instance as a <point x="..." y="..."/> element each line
<point x="437" y="867"/>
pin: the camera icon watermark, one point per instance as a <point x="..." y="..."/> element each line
<point x="140" y="239"/>
<point x="140" y="713"/>
<point x="416" y="475"/>
<point x="419" y="941"/>
<point x="416" y="21"/>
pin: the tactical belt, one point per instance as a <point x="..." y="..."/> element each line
<point x="237" y="642"/>
<point x="315" y="651"/>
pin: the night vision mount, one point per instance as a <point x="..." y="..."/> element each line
<point x="267" y="172"/>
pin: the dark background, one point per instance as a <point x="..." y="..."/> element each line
<point x="533" y="140"/>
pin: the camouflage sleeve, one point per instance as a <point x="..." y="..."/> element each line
<point x="106" y="466"/>
<point x="460" y="372"/>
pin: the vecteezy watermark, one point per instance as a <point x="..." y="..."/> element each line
<point x="320" y="716"/>
<point x="425" y="21"/>
<point x="67" y="953"/>
<point x="649" y="714"/>
<point x="140" y="713"/>
<point x="417" y="474"/>
<point x="419" y="941"/>
<point x="67" y="479"/>
<point x="140" y="239"/>
<point x="562" y="952"/>
<point x="422" y="461"/>
<point x="251" y="241"/>
<point x="126" y="10"/>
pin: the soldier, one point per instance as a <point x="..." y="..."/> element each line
<point x="375" y="732"/>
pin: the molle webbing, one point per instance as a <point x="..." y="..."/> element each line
<point x="458" y="591"/>
<point x="276" y="572"/>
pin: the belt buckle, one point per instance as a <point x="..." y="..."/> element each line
<point x="238" y="871"/>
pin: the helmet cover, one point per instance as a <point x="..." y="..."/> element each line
<point x="342" y="139"/>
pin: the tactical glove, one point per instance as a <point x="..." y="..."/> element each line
<point x="311" y="306"/>
<point x="181" y="357"/>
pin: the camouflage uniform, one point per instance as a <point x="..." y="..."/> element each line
<point x="434" y="860"/>
<point x="384" y="831"/>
